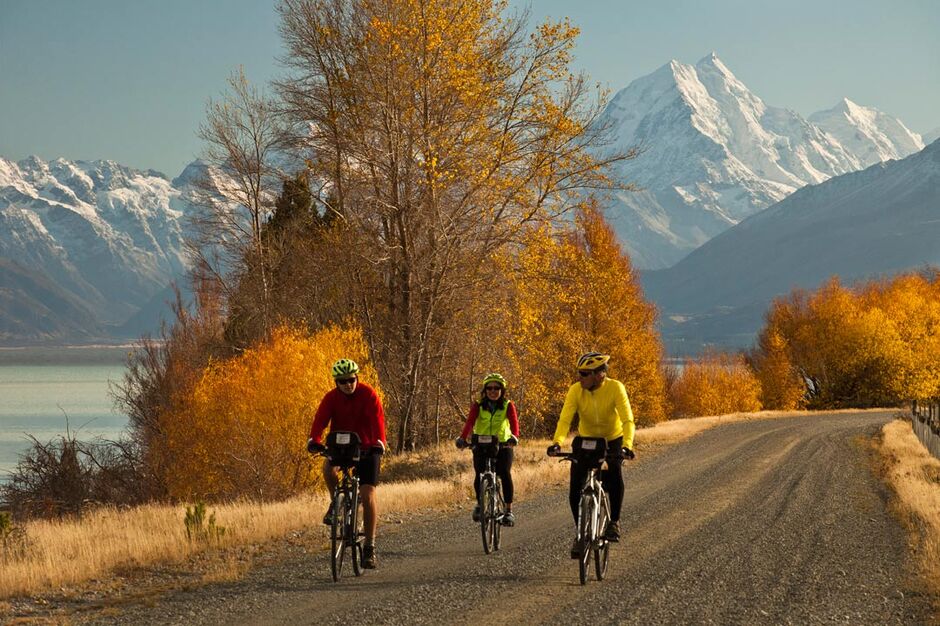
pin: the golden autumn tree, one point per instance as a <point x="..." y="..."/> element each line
<point x="860" y="347"/>
<point x="781" y="383"/>
<point x="240" y="431"/>
<point x="434" y="130"/>
<point x="715" y="384"/>
<point x="576" y="291"/>
<point x="911" y="304"/>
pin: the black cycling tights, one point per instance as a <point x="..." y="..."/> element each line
<point x="503" y="470"/>
<point x="611" y="479"/>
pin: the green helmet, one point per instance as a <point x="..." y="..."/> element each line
<point x="344" y="368"/>
<point x="494" y="377"/>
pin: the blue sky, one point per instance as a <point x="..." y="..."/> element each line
<point x="128" y="80"/>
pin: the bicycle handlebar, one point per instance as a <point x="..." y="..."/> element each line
<point x="571" y="456"/>
<point x="323" y="451"/>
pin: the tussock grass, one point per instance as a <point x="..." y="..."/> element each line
<point x="914" y="475"/>
<point x="107" y="540"/>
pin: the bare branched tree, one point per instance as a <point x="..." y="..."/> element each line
<point x="439" y="129"/>
<point x="244" y="139"/>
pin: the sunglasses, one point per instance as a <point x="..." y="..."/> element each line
<point x="492" y="388"/>
<point x="345" y="381"/>
<point x="584" y="374"/>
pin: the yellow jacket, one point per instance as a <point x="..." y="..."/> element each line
<point x="604" y="412"/>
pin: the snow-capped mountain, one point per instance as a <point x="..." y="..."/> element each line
<point x="868" y="133"/>
<point x="715" y="153"/>
<point x="106" y="236"/>
<point x="879" y="221"/>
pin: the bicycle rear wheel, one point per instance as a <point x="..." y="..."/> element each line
<point x="602" y="551"/>
<point x="338" y="534"/>
<point x="354" y="533"/>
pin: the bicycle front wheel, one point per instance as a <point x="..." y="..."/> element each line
<point x="497" y="514"/>
<point x="586" y="520"/>
<point x="487" y="514"/>
<point x="338" y="534"/>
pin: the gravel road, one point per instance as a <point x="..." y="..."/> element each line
<point x="769" y="522"/>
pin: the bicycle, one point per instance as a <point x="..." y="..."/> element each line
<point x="594" y="505"/>
<point x="343" y="452"/>
<point x="490" y="498"/>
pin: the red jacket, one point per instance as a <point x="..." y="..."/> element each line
<point x="360" y="412"/>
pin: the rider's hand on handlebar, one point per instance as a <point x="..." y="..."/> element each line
<point x="629" y="454"/>
<point x="313" y="447"/>
<point x="379" y="448"/>
<point x="553" y="449"/>
<point x="461" y="443"/>
<point x="512" y="441"/>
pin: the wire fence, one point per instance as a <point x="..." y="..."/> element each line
<point x="927" y="424"/>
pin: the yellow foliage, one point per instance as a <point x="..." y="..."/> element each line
<point x="715" y="384"/>
<point x="782" y="386"/>
<point x="576" y="291"/>
<point x="242" y="429"/>
<point x="867" y="346"/>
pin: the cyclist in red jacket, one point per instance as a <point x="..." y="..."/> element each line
<point x="356" y="407"/>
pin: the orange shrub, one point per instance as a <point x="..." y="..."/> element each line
<point x="242" y="429"/>
<point x="715" y="384"/>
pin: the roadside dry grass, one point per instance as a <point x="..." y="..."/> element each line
<point x="914" y="475"/>
<point x="68" y="552"/>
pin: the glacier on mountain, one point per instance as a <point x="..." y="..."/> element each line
<point x="713" y="153"/>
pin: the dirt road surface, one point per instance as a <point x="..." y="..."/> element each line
<point x="763" y="522"/>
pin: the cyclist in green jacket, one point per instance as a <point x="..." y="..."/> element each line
<point x="603" y="410"/>
<point x="493" y="414"/>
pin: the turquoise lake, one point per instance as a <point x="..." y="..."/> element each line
<point x="45" y="390"/>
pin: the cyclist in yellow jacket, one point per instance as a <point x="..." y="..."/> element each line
<point x="603" y="410"/>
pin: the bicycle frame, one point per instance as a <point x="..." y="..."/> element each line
<point x="593" y="507"/>
<point x="490" y="497"/>
<point x="343" y="453"/>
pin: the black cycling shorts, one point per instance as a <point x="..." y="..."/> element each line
<point x="367" y="469"/>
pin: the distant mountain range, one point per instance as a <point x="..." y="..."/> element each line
<point x="876" y="222"/>
<point x="88" y="249"/>
<point x="715" y="154"/>
<point x="84" y="246"/>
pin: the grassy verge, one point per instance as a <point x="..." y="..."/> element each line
<point x="914" y="475"/>
<point x="51" y="554"/>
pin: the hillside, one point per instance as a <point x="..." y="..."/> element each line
<point x="878" y="221"/>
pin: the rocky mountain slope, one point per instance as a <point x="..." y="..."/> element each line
<point x="715" y="153"/>
<point x="83" y="245"/>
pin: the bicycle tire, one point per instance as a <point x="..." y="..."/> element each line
<point x="338" y="535"/>
<point x="486" y="512"/>
<point x="602" y="551"/>
<point x="497" y="515"/>
<point x="585" y="534"/>
<point x="355" y="540"/>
